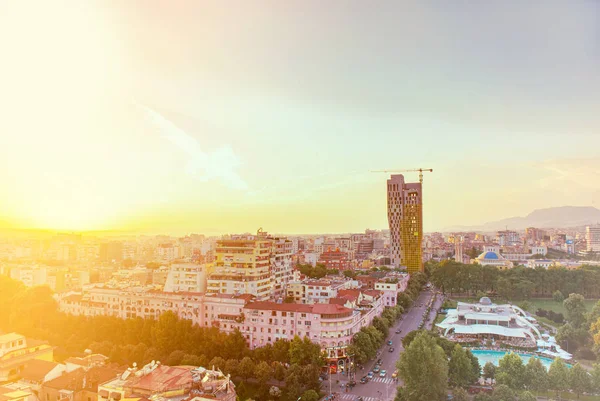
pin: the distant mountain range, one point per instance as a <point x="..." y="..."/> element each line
<point x="553" y="217"/>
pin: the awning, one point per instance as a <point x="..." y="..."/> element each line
<point x="103" y="393"/>
<point x="115" y="396"/>
<point x="490" y="329"/>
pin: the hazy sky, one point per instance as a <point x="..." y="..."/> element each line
<point x="228" y="116"/>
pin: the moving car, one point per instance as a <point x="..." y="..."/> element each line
<point x="376" y="368"/>
<point x="364" y="379"/>
<point x="391" y="349"/>
<point x="398" y="331"/>
<point x="395" y="374"/>
<point x="370" y="375"/>
<point x="383" y="373"/>
<point x="389" y="342"/>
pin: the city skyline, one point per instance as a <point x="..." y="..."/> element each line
<point x="195" y="119"/>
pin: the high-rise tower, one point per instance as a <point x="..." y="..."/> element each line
<point x="405" y="217"/>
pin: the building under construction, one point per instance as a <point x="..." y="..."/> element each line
<point x="405" y="217"/>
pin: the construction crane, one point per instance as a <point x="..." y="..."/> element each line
<point x="414" y="170"/>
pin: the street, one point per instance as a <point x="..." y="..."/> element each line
<point x="384" y="388"/>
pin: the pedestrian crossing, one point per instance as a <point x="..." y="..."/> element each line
<point x="353" y="397"/>
<point x="385" y="380"/>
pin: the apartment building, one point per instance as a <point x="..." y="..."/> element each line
<point x="186" y="277"/>
<point x="16" y="352"/>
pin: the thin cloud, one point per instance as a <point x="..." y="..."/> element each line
<point x="571" y="174"/>
<point x="220" y="165"/>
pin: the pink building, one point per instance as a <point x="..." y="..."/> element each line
<point x="332" y="325"/>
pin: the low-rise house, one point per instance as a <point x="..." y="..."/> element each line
<point x="78" y="385"/>
<point x="16" y="352"/>
<point x="38" y="372"/>
<point x="169" y="383"/>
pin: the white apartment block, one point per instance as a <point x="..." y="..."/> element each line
<point x="592" y="236"/>
<point x="186" y="277"/>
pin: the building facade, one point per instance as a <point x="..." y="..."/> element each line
<point x="405" y="218"/>
<point x="592" y="237"/>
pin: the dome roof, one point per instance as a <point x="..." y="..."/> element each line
<point x="491" y="255"/>
<point x="485" y="301"/>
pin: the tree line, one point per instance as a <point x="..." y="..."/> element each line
<point x="432" y="364"/>
<point x="34" y="313"/>
<point x="517" y="283"/>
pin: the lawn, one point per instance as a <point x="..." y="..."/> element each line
<point x="548" y="304"/>
<point x="557" y="307"/>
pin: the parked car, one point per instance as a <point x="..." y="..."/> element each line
<point x="378" y="362"/>
<point x="364" y="379"/>
<point x="376" y="368"/>
<point x="389" y="342"/>
<point x="395" y="374"/>
<point x="383" y="373"/>
<point x="370" y="375"/>
<point x="391" y="349"/>
<point x="398" y="331"/>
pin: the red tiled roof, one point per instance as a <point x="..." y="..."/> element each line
<point x="266" y="305"/>
<point x="36" y="370"/>
<point x="163" y="378"/>
<point x="372" y="293"/>
<point x="315" y="308"/>
<point x="351" y="295"/>
<point x="330" y="309"/>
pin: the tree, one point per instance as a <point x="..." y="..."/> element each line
<point x="558" y="296"/>
<point x="558" y="376"/>
<point x="460" y="371"/>
<point x="175" y="358"/>
<point x="575" y="307"/>
<point x="381" y="325"/>
<point x="305" y="352"/>
<point x="511" y="371"/>
<point x="579" y="379"/>
<point x="594" y="315"/>
<point x="503" y="393"/>
<point x="595" y="378"/>
<point x="489" y="371"/>
<point x="310" y="395"/>
<point x="482" y="397"/>
<point x="246" y="368"/>
<point x="278" y="371"/>
<point x="424" y="368"/>
<point x="527" y="396"/>
<point x="404" y="300"/>
<point x="217" y="362"/>
<point x="475" y="366"/>
<point x="350" y="273"/>
<point x="460" y="394"/>
<point x="231" y="367"/>
<point x="263" y="373"/>
<point x="536" y="376"/>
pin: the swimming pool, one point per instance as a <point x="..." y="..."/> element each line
<point x="485" y="355"/>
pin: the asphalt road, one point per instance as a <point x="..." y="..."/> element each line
<point x="384" y="388"/>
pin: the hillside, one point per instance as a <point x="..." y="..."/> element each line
<point x="554" y="217"/>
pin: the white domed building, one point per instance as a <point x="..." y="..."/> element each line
<point x="491" y="257"/>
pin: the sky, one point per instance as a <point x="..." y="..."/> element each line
<point x="220" y="117"/>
